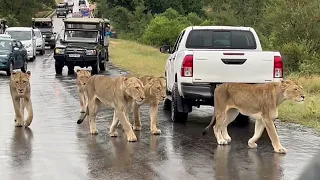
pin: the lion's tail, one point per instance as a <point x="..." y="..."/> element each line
<point x="83" y="115"/>
<point x="212" y="123"/>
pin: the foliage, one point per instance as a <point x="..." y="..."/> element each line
<point x="290" y="27"/>
<point x="20" y="12"/>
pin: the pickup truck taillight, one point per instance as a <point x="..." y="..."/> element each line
<point x="187" y="66"/>
<point x="277" y="67"/>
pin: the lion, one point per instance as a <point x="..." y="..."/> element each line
<point x="259" y="101"/>
<point x="154" y="89"/>
<point x="20" y="90"/>
<point x="116" y="92"/>
<point x="82" y="79"/>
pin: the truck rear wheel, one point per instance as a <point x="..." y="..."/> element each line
<point x="102" y="64"/>
<point x="95" y="69"/>
<point x="176" y="116"/>
<point x="70" y="69"/>
<point x="58" y="68"/>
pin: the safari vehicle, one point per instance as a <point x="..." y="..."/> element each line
<point x="3" y="26"/>
<point x="82" y="45"/>
<point x="82" y="2"/>
<point x="12" y="55"/>
<point x="62" y="10"/>
<point x="205" y="56"/>
<point x="45" y="25"/>
<point x="70" y="5"/>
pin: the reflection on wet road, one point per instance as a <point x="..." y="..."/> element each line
<point x="55" y="147"/>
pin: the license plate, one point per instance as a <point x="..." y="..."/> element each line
<point x="74" y="55"/>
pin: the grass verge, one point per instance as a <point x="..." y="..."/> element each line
<point x="141" y="59"/>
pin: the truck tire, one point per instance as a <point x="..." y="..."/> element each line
<point x="102" y="64"/>
<point x="95" y="68"/>
<point x="58" y="68"/>
<point x="177" y="117"/>
<point x="70" y="69"/>
<point x="167" y="105"/>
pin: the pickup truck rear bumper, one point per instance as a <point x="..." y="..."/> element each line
<point x="198" y="92"/>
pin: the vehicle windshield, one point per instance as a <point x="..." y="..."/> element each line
<point x="38" y="34"/>
<point x="220" y="39"/>
<point x="61" y="8"/>
<point x="81" y="36"/>
<point x="43" y="24"/>
<point x="20" y="35"/>
<point x="5" y="45"/>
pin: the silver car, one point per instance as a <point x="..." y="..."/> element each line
<point x="40" y="42"/>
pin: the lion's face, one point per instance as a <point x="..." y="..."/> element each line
<point x="292" y="91"/>
<point x="134" y="88"/>
<point x="157" y="88"/>
<point x="20" y="81"/>
<point x="83" y="76"/>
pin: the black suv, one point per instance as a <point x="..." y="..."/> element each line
<point x="82" y="44"/>
<point x="62" y="10"/>
<point x="46" y="28"/>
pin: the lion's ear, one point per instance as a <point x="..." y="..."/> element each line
<point x="28" y="74"/>
<point x="78" y="70"/>
<point x="125" y="78"/>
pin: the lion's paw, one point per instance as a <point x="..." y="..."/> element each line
<point x="280" y="150"/>
<point x="136" y="128"/>
<point x="94" y="132"/>
<point x="156" y="132"/>
<point x="27" y="123"/>
<point x="18" y="124"/>
<point x="228" y="139"/>
<point x="132" y="138"/>
<point x="222" y="142"/>
<point x="252" y="145"/>
<point x="113" y="134"/>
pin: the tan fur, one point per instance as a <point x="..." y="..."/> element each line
<point x="259" y="101"/>
<point x="20" y="92"/>
<point x="82" y="79"/>
<point x="154" y="89"/>
<point x="116" y="92"/>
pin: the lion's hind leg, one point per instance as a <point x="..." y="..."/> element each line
<point x="217" y="128"/>
<point x="230" y="116"/>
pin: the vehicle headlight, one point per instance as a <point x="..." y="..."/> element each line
<point x="52" y="37"/>
<point x="4" y="58"/>
<point x="27" y="46"/>
<point x="59" y="51"/>
<point x="91" y="52"/>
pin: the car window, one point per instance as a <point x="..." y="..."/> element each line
<point x="220" y="39"/>
<point x="20" y="35"/>
<point x="19" y="44"/>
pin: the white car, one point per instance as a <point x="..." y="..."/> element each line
<point x="5" y="36"/>
<point x="40" y="42"/>
<point x="205" y="56"/>
<point x="27" y="37"/>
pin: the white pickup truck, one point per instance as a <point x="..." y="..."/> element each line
<point x="206" y="56"/>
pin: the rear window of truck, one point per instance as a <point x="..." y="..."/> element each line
<point x="220" y="39"/>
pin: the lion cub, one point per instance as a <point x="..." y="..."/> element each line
<point x="82" y="79"/>
<point x="116" y="92"/>
<point x="20" y="92"/>
<point x="154" y="89"/>
<point x="259" y="101"/>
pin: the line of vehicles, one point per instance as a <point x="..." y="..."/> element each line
<point x="63" y="9"/>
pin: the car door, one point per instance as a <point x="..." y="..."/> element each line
<point x="33" y="35"/>
<point x="171" y="62"/>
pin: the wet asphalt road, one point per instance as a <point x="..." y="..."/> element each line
<point x="56" y="148"/>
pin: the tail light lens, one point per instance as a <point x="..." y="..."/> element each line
<point x="187" y="66"/>
<point x="277" y="67"/>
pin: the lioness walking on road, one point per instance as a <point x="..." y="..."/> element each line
<point x="20" y="92"/>
<point x="154" y="89"/>
<point x="117" y="92"/>
<point x="82" y="78"/>
<point x="259" y="101"/>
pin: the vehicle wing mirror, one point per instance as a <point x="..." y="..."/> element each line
<point x="15" y="48"/>
<point x="165" y="49"/>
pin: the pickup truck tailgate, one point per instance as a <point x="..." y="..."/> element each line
<point x="233" y="66"/>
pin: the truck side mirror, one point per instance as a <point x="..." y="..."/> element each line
<point x="165" y="49"/>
